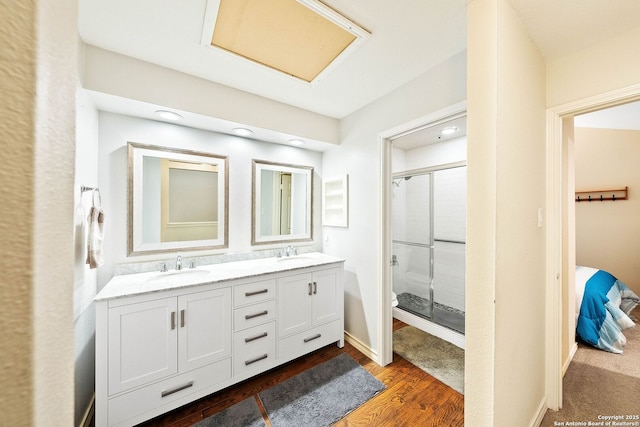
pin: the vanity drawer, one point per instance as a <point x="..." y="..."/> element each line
<point x="253" y="315"/>
<point x="304" y="342"/>
<point x="254" y="292"/>
<point x="136" y="402"/>
<point x="254" y="349"/>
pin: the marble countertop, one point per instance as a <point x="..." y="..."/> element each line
<point x="143" y="283"/>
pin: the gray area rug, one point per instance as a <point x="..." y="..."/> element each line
<point x="437" y="357"/>
<point x="320" y="396"/>
<point x="242" y="414"/>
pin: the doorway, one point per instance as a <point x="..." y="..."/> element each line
<point x="427" y="124"/>
<point x="561" y="252"/>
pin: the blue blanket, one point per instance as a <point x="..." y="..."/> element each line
<point x="603" y="304"/>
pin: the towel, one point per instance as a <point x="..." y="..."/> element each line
<point x="80" y="244"/>
<point x="95" y="220"/>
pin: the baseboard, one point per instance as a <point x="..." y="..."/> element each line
<point x="362" y="348"/>
<point x="87" y="420"/>
<point x="540" y="413"/>
<point x="572" y="352"/>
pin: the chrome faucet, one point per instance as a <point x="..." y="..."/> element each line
<point x="289" y="250"/>
<point x="179" y="263"/>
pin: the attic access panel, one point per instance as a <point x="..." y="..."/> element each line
<point x="301" y="38"/>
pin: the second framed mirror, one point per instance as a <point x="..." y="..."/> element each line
<point x="282" y="200"/>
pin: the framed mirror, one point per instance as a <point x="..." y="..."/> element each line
<point x="281" y="202"/>
<point x="178" y="200"/>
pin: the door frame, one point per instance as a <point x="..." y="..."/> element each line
<point x="385" y="315"/>
<point x="560" y="225"/>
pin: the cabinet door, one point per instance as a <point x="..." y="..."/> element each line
<point x="204" y="321"/>
<point x="294" y="304"/>
<point x="142" y="343"/>
<point x="326" y="302"/>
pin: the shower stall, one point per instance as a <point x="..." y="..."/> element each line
<point x="429" y="234"/>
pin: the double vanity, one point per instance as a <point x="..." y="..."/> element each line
<point x="164" y="339"/>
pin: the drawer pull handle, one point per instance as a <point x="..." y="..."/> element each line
<point x="315" y="288"/>
<point x="177" y="389"/>
<point x="257" y="337"/>
<point x="173" y="320"/>
<point x="256" y="359"/>
<point x="310" y="291"/>
<point x="250" y="294"/>
<point x="251" y="316"/>
<point x="315" y="337"/>
<point x="182" y="318"/>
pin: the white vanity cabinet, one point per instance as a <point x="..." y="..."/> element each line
<point x="310" y="308"/>
<point x="162" y="344"/>
<point x="159" y="350"/>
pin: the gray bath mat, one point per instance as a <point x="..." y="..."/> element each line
<point x="242" y="414"/>
<point x="321" y="395"/>
<point x="435" y="356"/>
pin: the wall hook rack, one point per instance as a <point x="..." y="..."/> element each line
<point x="602" y="195"/>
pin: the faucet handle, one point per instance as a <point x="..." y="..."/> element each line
<point x="163" y="267"/>
<point x="192" y="264"/>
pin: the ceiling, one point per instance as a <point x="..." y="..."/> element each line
<point x="406" y="41"/>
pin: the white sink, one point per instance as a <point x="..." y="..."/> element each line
<point x="177" y="276"/>
<point x="293" y="258"/>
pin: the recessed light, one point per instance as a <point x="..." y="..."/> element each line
<point x="169" y="115"/>
<point x="449" y="130"/>
<point x="296" y="142"/>
<point x="242" y="131"/>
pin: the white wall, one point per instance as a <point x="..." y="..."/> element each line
<point x="85" y="279"/>
<point x="505" y="344"/>
<point x="359" y="155"/>
<point x="116" y="130"/>
<point x="115" y="74"/>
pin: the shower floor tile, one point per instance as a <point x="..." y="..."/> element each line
<point x="442" y="314"/>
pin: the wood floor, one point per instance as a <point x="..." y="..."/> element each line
<point x="412" y="397"/>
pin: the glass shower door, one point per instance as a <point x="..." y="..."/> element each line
<point x="412" y="243"/>
<point x="449" y="230"/>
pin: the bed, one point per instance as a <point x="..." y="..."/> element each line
<point x="603" y="305"/>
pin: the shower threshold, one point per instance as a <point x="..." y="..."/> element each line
<point x="442" y="314"/>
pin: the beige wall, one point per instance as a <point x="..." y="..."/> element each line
<point x="505" y="358"/>
<point x="584" y="78"/>
<point x="38" y="83"/>
<point x="607" y="66"/>
<point x="17" y="78"/>
<point x="608" y="233"/>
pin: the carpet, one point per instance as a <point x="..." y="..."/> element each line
<point x="320" y="396"/>
<point x="600" y="383"/>
<point x="437" y="357"/>
<point x="242" y="414"/>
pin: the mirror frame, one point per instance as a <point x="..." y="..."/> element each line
<point x="135" y="245"/>
<point x="257" y="167"/>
